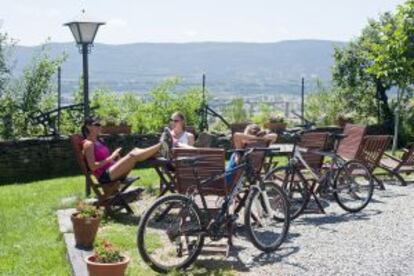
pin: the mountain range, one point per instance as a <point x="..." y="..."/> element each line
<point x="232" y="68"/>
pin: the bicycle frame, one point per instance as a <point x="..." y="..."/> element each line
<point x="297" y="157"/>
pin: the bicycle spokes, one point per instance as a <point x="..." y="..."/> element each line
<point x="171" y="233"/>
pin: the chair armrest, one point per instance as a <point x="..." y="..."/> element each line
<point x="392" y="157"/>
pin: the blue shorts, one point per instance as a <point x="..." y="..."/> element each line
<point x="105" y="177"/>
<point x="230" y="166"/>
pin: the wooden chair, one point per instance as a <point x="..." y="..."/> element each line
<point x="350" y="146"/>
<point x="212" y="163"/>
<point x="313" y="141"/>
<point x="395" y="166"/>
<point x="113" y="196"/>
<point x="371" y="151"/>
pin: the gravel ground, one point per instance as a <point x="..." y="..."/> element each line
<point x="377" y="241"/>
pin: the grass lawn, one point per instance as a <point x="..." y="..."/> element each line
<point x="30" y="241"/>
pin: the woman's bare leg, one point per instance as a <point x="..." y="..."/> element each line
<point x="124" y="165"/>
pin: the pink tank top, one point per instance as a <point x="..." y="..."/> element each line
<point x="101" y="153"/>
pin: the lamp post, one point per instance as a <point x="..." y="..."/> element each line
<point x="84" y="32"/>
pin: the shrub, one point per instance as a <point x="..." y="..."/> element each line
<point x="87" y="211"/>
<point x="105" y="252"/>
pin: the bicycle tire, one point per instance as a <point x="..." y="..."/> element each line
<point x="364" y="177"/>
<point x="142" y="229"/>
<point x="296" y="191"/>
<point x="255" y="203"/>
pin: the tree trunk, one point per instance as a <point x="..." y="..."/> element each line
<point x="387" y="113"/>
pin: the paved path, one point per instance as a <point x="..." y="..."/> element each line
<point x="377" y="241"/>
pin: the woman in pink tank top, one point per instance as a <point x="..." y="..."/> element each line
<point x="107" y="166"/>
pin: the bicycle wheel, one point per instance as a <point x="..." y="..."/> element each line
<point x="169" y="234"/>
<point x="353" y="186"/>
<point x="267" y="216"/>
<point x="294" y="186"/>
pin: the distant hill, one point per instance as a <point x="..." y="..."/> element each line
<point x="231" y="68"/>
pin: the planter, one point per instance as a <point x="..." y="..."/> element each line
<point x="238" y="127"/>
<point x="275" y="126"/>
<point x="85" y="230"/>
<point x="106" y="269"/>
<point x="343" y="121"/>
<point x="116" y="129"/>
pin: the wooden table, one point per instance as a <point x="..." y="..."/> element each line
<point x="164" y="170"/>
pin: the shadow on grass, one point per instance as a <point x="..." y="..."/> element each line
<point x="123" y="218"/>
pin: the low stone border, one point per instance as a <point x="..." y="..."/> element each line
<point x="75" y="256"/>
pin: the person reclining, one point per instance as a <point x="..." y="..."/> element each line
<point x="251" y="132"/>
<point x="107" y="166"/>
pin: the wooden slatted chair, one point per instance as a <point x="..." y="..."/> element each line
<point x="372" y="149"/>
<point x="212" y="163"/>
<point x="114" y="196"/>
<point x="313" y="141"/>
<point x="397" y="166"/>
<point x="351" y="144"/>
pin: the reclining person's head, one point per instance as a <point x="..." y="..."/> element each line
<point x="255" y="130"/>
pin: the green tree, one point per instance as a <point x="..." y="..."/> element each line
<point x="6" y="101"/>
<point x="360" y="87"/>
<point x="31" y="93"/>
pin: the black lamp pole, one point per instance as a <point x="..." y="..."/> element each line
<point x="85" y="80"/>
<point x="84" y="31"/>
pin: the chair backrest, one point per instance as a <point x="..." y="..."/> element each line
<point x="76" y="141"/>
<point x="373" y="148"/>
<point x="211" y="163"/>
<point x="313" y="141"/>
<point x="350" y="146"/>
<point x="257" y="158"/>
<point x="191" y="129"/>
<point x="408" y="156"/>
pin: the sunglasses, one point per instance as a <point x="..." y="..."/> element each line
<point x="175" y="120"/>
<point x="96" y="124"/>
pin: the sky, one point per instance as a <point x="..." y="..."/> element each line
<point x="129" y="21"/>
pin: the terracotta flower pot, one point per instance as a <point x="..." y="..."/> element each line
<point x="85" y="230"/>
<point x="106" y="269"/>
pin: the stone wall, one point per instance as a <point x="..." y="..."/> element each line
<point x="43" y="158"/>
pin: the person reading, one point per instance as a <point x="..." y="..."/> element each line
<point x="107" y="166"/>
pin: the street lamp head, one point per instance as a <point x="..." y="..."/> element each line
<point x="84" y="30"/>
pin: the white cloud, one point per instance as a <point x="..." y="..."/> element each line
<point x="117" y="23"/>
<point x="191" y="33"/>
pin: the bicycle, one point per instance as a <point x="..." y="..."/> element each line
<point x="350" y="182"/>
<point x="180" y="225"/>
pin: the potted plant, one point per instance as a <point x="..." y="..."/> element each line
<point x="342" y="120"/>
<point x="276" y="123"/>
<point x="85" y="222"/>
<point x="106" y="260"/>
